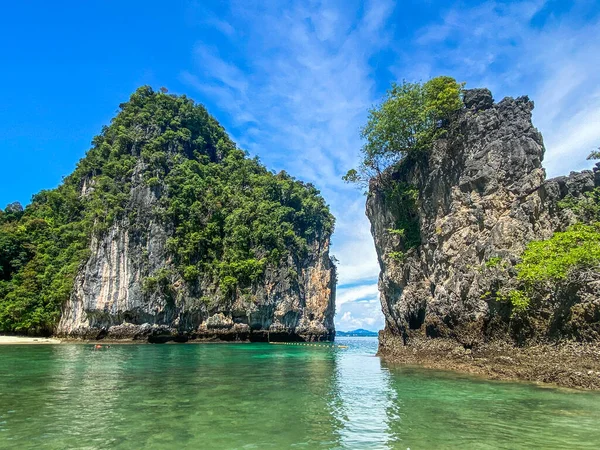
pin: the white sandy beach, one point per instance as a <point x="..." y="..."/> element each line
<point x="5" y="340"/>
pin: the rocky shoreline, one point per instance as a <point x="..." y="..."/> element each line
<point x="212" y="330"/>
<point x="568" y="364"/>
<point x="195" y="338"/>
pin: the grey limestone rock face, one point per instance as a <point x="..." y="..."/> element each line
<point x="482" y="197"/>
<point x="477" y="99"/>
<point x="294" y="301"/>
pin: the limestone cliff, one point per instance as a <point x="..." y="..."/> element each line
<point x="108" y="300"/>
<point x="474" y="201"/>
<point x="291" y="297"/>
<point x="167" y="231"/>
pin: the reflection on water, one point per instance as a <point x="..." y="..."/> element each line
<point x="256" y="396"/>
<point x="366" y="396"/>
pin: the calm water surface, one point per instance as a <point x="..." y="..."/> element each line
<point x="260" y="396"/>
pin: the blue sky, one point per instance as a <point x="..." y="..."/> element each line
<point x="291" y="82"/>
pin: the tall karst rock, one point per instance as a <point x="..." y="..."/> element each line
<point x="166" y="230"/>
<point x="451" y="225"/>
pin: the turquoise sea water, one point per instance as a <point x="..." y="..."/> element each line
<point x="261" y="396"/>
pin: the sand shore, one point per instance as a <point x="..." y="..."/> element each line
<point x="8" y="340"/>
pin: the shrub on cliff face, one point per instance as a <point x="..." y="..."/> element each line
<point x="552" y="260"/>
<point x="565" y="260"/>
<point x="229" y="217"/>
<point x="556" y="263"/>
<point x="401" y="200"/>
<point x="410" y="118"/>
<point x="595" y="154"/>
<point x="585" y="207"/>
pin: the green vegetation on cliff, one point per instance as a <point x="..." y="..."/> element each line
<point x="561" y="261"/>
<point x="410" y="118"/>
<point x="552" y="260"/>
<point x="229" y="216"/>
<point x="401" y="199"/>
<point x="398" y="131"/>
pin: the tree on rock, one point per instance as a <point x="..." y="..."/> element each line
<point x="410" y="118"/>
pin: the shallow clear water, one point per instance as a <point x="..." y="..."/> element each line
<point x="260" y="396"/>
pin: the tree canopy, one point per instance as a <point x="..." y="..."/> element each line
<point x="410" y="118"/>
<point x="595" y="154"/>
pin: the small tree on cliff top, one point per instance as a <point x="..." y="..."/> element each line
<point x="410" y="118"/>
<point x="595" y="154"/>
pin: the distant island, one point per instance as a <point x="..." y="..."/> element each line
<point x="360" y="332"/>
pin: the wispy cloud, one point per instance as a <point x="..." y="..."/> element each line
<point x="305" y="80"/>
<point x="355" y="293"/>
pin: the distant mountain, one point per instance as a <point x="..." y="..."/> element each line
<point x="360" y="332"/>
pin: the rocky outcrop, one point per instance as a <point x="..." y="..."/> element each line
<point x="295" y="301"/>
<point x="200" y="242"/>
<point x="482" y="196"/>
<point x="109" y="300"/>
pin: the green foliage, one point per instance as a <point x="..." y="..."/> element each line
<point x="352" y="176"/>
<point x="410" y="118"/>
<point x="160" y="283"/>
<point x="547" y="264"/>
<point x="595" y="154"/>
<point x="401" y="233"/>
<point x="518" y="299"/>
<point x="191" y="273"/>
<point x="397" y="256"/>
<point x="292" y="274"/>
<point x="493" y="262"/>
<point x="230" y="217"/>
<point x="149" y="285"/>
<point x="228" y="283"/>
<point x="153" y="182"/>
<point x="586" y="207"/>
<point x="41" y="252"/>
<point x="553" y="259"/>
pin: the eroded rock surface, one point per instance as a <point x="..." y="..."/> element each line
<point x="482" y="196"/>
<point x="295" y="301"/>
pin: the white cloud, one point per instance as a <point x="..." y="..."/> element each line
<point x="222" y="95"/>
<point x="354" y="293"/>
<point x="568" y="95"/>
<point x="360" y="315"/>
<point x="214" y="68"/>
